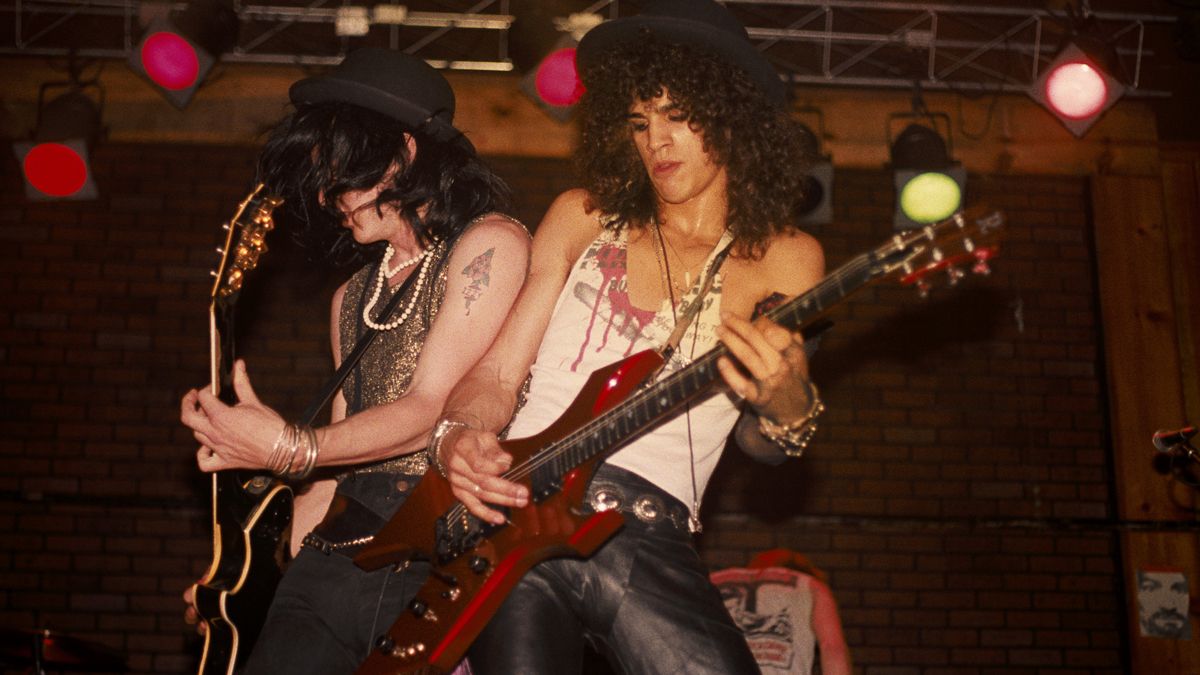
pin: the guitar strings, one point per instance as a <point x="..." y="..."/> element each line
<point x="556" y="449"/>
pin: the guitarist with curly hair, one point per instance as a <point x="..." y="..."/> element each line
<point x="686" y="226"/>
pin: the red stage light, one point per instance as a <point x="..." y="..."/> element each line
<point x="55" y="169"/>
<point x="557" y="81"/>
<point x="170" y="61"/>
<point x="1076" y="90"/>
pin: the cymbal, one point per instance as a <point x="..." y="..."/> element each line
<point x="59" y="652"/>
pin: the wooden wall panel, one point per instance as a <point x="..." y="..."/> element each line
<point x="1181" y="191"/>
<point x="1141" y="345"/>
<point x="1134" y="253"/>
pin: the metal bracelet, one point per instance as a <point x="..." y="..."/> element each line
<point x="795" y="436"/>
<point x="434" y="449"/>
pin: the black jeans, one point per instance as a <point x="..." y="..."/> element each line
<point x="643" y="600"/>
<point x="327" y="614"/>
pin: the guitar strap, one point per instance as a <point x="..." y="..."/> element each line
<point x="322" y="398"/>
<point x="689" y="313"/>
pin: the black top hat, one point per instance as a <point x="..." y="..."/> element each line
<point x="392" y="83"/>
<point x="702" y="24"/>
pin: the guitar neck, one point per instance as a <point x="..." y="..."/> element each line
<point x="644" y="409"/>
<point x="221" y="350"/>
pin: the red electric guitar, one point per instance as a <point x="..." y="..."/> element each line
<point x="251" y="511"/>
<point x="476" y="564"/>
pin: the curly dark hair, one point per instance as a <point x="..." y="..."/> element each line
<point x="331" y="148"/>
<point x="761" y="146"/>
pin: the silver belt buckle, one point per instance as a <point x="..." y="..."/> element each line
<point x="605" y="497"/>
<point x="649" y="509"/>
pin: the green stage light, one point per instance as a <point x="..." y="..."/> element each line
<point x="929" y="184"/>
<point x="929" y="197"/>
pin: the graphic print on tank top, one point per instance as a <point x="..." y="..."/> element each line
<point x="602" y="286"/>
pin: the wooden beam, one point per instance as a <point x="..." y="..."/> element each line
<point x="1140" y="340"/>
<point x="1007" y="134"/>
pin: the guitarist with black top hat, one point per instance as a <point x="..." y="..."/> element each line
<point x="371" y="169"/>
<point x="686" y="225"/>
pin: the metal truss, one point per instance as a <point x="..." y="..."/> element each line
<point x="964" y="47"/>
<point x="449" y="34"/>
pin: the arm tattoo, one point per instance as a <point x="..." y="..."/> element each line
<point x="478" y="275"/>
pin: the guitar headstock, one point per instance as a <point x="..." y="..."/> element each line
<point x="245" y="242"/>
<point x="961" y="244"/>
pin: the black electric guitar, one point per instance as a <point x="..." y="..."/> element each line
<point x="476" y="564"/>
<point x="251" y="511"/>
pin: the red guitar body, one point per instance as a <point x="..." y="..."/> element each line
<point x="464" y="592"/>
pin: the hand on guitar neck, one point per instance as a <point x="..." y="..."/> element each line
<point x="239" y="436"/>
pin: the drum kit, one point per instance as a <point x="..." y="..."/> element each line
<point x="43" y="651"/>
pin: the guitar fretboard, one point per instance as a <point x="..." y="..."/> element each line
<point x="642" y="410"/>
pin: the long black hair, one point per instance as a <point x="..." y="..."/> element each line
<point x="323" y="150"/>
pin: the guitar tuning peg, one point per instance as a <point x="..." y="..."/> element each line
<point x="982" y="268"/>
<point x="225" y="226"/>
<point x="955" y="275"/>
<point x="923" y="288"/>
<point x="220" y="251"/>
<point x="212" y="273"/>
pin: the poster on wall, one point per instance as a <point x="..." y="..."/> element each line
<point x="1162" y="600"/>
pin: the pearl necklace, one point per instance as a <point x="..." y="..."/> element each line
<point x="384" y="275"/>
<point x="387" y="258"/>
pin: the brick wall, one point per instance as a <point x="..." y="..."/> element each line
<point x="958" y="492"/>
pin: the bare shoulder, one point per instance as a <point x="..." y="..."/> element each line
<point x="338" y="295"/>
<point x="495" y="232"/>
<point x="497" y="225"/>
<point x="567" y="228"/>
<point x="793" y="263"/>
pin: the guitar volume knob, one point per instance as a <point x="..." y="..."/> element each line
<point x="418" y="607"/>
<point x="385" y="644"/>
<point x="478" y="564"/>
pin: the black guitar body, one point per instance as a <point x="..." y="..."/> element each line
<point x="255" y="513"/>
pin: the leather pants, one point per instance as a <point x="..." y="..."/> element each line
<point x="327" y="613"/>
<point x="643" y="600"/>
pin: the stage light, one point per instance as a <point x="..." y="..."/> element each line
<point x="176" y="53"/>
<point x="56" y="161"/>
<point x="543" y="39"/>
<point x="929" y="184"/>
<point x="816" y="205"/>
<point x="555" y="83"/>
<point x="1078" y="86"/>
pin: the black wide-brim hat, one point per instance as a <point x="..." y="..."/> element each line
<point x="398" y="85"/>
<point x="701" y="24"/>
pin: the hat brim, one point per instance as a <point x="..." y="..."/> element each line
<point x="331" y="89"/>
<point x="697" y="34"/>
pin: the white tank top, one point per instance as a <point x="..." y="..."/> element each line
<point x="595" y="324"/>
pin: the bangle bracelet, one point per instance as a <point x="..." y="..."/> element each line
<point x="282" y="460"/>
<point x="434" y="450"/>
<point x="795" y="436"/>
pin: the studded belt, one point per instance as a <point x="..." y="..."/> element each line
<point x="347" y="548"/>
<point x="647" y="503"/>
